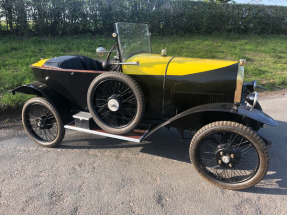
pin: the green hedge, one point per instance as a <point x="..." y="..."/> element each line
<point x="165" y="17"/>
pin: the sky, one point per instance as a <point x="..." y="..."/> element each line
<point x="265" y="2"/>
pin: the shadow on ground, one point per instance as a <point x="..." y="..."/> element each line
<point x="275" y="182"/>
<point x="165" y="143"/>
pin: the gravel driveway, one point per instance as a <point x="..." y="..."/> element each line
<point x="88" y="174"/>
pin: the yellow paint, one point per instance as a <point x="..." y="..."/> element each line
<point x="185" y="66"/>
<point x="149" y="64"/>
<point x="152" y="64"/>
<point x="40" y="63"/>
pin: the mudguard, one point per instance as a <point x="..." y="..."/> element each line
<point x="196" y="117"/>
<point x="39" y="89"/>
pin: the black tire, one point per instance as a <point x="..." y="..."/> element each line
<point x="115" y="102"/>
<point x="42" y="122"/>
<point x="218" y="151"/>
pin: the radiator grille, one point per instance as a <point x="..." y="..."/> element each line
<point x="184" y="100"/>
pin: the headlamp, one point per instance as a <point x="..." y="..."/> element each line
<point x="251" y="99"/>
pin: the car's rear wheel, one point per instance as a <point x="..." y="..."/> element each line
<point x="115" y="102"/>
<point x="229" y="155"/>
<point x="42" y="122"/>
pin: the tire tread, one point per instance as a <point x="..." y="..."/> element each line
<point x="137" y="89"/>
<point x="61" y="129"/>
<point x="245" y="131"/>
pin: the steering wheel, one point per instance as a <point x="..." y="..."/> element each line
<point x="111" y="50"/>
<point x="106" y="64"/>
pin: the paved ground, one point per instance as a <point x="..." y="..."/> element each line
<point x="95" y="175"/>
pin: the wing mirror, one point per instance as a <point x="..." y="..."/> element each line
<point x="101" y="51"/>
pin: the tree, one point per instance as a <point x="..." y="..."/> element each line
<point x="7" y="7"/>
<point x="21" y="18"/>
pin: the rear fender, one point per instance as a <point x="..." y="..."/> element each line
<point x="42" y="90"/>
<point x="195" y="118"/>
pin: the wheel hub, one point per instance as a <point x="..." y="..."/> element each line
<point x="113" y="104"/>
<point x="41" y="123"/>
<point x="45" y="122"/>
<point x="226" y="157"/>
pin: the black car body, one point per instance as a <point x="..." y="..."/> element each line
<point x="155" y="91"/>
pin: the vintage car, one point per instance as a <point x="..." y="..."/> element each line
<point x="133" y="93"/>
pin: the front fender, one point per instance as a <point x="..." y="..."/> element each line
<point x="199" y="116"/>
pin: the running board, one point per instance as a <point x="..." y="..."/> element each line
<point x="137" y="135"/>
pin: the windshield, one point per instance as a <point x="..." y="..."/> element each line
<point x="133" y="38"/>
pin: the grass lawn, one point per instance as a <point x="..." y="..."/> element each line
<point x="266" y="56"/>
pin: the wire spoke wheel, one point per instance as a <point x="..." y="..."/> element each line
<point x="115" y="102"/>
<point x="229" y="155"/>
<point x="42" y="122"/>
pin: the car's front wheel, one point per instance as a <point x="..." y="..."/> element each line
<point x="229" y="155"/>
